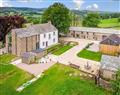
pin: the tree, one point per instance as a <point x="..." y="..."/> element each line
<point x="9" y="22"/>
<point x="58" y="14"/>
<point x="91" y="20"/>
<point x="116" y="84"/>
<point x="119" y="19"/>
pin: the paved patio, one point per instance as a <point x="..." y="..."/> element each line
<point x="35" y="69"/>
<point x="94" y="47"/>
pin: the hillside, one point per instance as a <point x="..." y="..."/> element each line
<point x="26" y="11"/>
<point x="110" y="23"/>
<point x="33" y="15"/>
<point x="21" y="11"/>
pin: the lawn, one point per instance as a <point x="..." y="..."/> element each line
<point x="96" y="56"/>
<point x="62" y="49"/>
<point x="10" y="76"/>
<point x="59" y="49"/>
<point x="57" y="81"/>
<point x="110" y="23"/>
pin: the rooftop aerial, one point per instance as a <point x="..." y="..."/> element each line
<point x="112" y="40"/>
<point x="34" y="30"/>
<point x="111" y="63"/>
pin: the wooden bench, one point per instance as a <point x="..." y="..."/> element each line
<point x="74" y="66"/>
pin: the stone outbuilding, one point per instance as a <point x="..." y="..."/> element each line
<point x="29" y="57"/>
<point x="33" y="56"/>
<point x="40" y="53"/>
<point x="97" y="34"/>
<point x="109" y="66"/>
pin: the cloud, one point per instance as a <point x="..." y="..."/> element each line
<point x="92" y="7"/>
<point x="78" y="3"/>
<point x="26" y="1"/>
<point x="5" y="3"/>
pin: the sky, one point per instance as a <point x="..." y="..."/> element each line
<point x="100" y="5"/>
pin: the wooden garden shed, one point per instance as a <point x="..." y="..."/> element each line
<point x="110" y="45"/>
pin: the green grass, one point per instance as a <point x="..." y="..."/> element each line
<point x="59" y="49"/>
<point x="96" y="56"/>
<point x="11" y="77"/>
<point x="110" y="23"/>
<point x="53" y="48"/>
<point x="57" y="81"/>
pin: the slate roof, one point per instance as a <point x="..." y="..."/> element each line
<point x="111" y="40"/>
<point x="38" y="50"/>
<point x="111" y="63"/>
<point x="34" y="30"/>
<point x="95" y="30"/>
<point x="28" y="54"/>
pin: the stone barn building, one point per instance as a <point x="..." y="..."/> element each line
<point x="98" y="34"/>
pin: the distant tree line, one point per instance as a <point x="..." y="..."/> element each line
<point x="109" y="15"/>
<point x="34" y="20"/>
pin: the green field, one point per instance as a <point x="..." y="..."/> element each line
<point x="110" y="23"/>
<point x="57" y="81"/>
<point x="10" y="76"/>
<point x="96" y="56"/>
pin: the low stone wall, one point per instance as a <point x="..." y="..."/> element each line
<point x="3" y="51"/>
<point x="105" y="84"/>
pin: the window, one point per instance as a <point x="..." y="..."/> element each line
<point x="37" y="45"/>
<point x="53" y="40"/>
<point x="43" y="43"/>
<point x="44" y="35"/>
<point x="49" y="36"/>
<point x="104" y="37"/>
<point x="77" y="35"/>
<point x="46" y="43"/>
<point x="87" y="33"/>
<point x="53" y="33"/>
